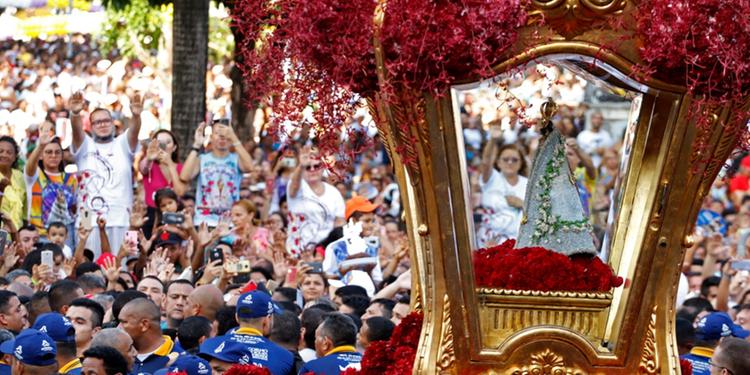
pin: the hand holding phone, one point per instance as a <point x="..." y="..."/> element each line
<point x="216" y="254"/>
<point x="87" y="220"/>
<point x="48" y="258"/>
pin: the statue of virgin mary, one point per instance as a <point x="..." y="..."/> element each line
<point x="553" y="213"/>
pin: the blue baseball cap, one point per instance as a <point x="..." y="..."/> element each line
<point x="190" y="364"/>
<point x="32" y="347"/>
<point x="226" y="350"/>
<point x="256" y="304"/>
<point x="717" y="325"/>
<point x="58" y="327"/>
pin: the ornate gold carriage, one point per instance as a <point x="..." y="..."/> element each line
<point x="630" y="330"/>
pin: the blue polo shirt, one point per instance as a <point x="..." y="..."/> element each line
<point x="156" y="360"/>
<point x="73" y="367"/>
<point x="265" y="353"/>
<point x="334" y="362"/>
<point x="698" y="358"/>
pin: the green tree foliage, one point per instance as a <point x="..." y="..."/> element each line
<point x="135" y="28"/>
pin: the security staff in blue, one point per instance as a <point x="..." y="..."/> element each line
<point x="60" y="329"/>
<point x="32" y="352"/>
<point x="141" y="319"/>
<point x="335" y="341"/>
<point x="255" y="312"/>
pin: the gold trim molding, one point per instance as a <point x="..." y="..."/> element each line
<point x="649" y="362"/>
<point x="571" y="18"/>
<point x="446" y="354"/>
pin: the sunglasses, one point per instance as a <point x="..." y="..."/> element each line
<point x="313" y="167"/>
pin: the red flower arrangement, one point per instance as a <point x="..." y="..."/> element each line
<point x="536" y="268"/>
<point x="319" y="55"/>
<point x="395" y="356"/>
<point x="708" y="42"/>
<point x="432" y="43"/>
<point x="247" y="370"/>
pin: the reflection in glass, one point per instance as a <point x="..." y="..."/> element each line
<point x="501" y="137"/>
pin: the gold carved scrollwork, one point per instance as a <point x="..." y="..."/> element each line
<point x="547" y="362"/>
<point x="446" y="355"/>
<point x="570" y="18"/>
<point x="649" y="363"/>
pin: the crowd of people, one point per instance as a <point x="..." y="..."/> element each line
<point x="123" y="254"/>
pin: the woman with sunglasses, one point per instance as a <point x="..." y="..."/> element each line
<point x="503" y="187"/>
<point x="315" y="206"/>
<point x="52" y="191"/>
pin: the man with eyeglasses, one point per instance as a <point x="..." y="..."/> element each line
<point x="219" y="172"/>
<point x="712" y="329"/>
<point x="105" y="175"/>
<point x="731" y="357"/>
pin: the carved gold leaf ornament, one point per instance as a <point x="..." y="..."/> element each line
<point x="547" y="362"/>
<point x="446" y="354"/>
<point x="649" y="362"/>
<point x="570" y="18"/>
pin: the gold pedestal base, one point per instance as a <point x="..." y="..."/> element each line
<point x="504" y="312"/>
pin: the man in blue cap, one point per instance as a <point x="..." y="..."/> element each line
<point x="335" y="341"/>
<point x="189" y="364"/>
<point x="5" y="359"/>
<point x="254" y="313"/>
<point x="60" y="329"/>
<point x="711" y="329"/>
<point x="33" y="353"/>
<point x="223" y="354"/>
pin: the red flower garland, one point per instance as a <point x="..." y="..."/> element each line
<point x="395" y="356"/>
<point x="707" y="42"/>
<point x="430" y="44"/>
<point x="247" y="370"/>
<point x="537" y="268"/>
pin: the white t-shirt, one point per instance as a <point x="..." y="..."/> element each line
<point x="105" y="179"/>
<point x="503" y="220"/>
<point x="497" y="188"/>
<point x="312" y="216"/>
<point x="589" y="141"/>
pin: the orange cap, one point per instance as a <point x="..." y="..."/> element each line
<point x="359" y="204"/>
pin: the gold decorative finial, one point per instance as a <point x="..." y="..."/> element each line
<point x="549" y="108"/>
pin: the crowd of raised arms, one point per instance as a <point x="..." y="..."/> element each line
<point x="123" y="253"/>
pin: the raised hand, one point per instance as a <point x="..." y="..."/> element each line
<point x="111" y="271"/>
<point x="101" y="222"/>
<point x="69" y="266"/>
<point x="199" y="137"/>
<point x="136" y="105"/>
<point x="75" y="103"/>
<point x="152" y="152"/>
<point x="46" y="133"/>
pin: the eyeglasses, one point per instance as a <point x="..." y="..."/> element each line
<point x="510" y="160"/>
<point x="313" y="167"/>
<point x="101" y="122"/>
<point x="712" y="364"/>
